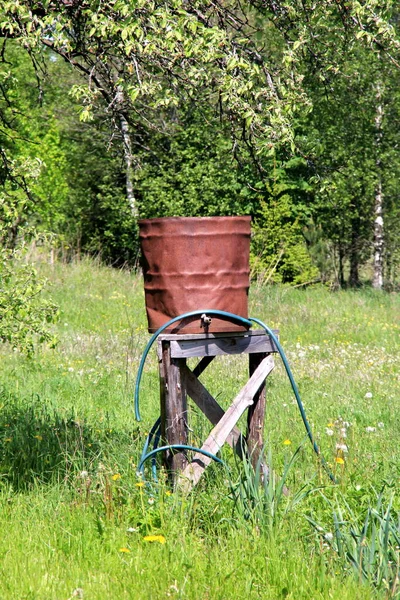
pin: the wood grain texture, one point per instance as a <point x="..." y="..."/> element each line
<point x="256" y="415"/>
<point x="170" y="337"/>
<point x="210" y="407"/>
<point x="221" y="346"/>
<point x="202" y="365"/>
<point x="173" y="408"/>
<point x="218" y="436"/>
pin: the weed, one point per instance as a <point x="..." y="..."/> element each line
<point x="369" y="543"/>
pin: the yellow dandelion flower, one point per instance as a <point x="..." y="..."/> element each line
<point x="168" y="493"/>
<point x="154" y="538"/>
<point x="286" y="442"/>
<point x="116" y="476"/>
<point x="339" y="460"/>
<point x="140" y="484"/>
<point x="126" y="550"/>
<point x="331" y="425"/>
<point x="38" y="437"/>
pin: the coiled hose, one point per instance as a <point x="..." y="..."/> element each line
<point x="155" y="431"/>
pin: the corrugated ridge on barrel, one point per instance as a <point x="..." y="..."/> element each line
<point x="191" y="263"/>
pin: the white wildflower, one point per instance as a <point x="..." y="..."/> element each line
<point x="328" y="536"/>
<point x="329" y="431"/>
<point x="342" y="447"/>
<point x="370" y="429"/>
<point x="368" y="395"/>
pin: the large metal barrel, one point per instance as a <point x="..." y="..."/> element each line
<point x="195" y="263"/>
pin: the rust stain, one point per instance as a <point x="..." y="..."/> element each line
<point x="193" y="263"/>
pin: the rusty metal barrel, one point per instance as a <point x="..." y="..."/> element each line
<point x="194" y="263"/>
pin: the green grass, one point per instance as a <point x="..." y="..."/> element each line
<point x="70" y="497"/>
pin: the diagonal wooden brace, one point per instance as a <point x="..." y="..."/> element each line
<point x="219" y="435"/>
<point x="210" y="407"/>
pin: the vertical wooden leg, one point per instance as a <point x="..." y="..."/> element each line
<point x="173" y="408"/>
<point x="256" y="414"/>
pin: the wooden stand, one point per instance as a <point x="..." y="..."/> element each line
<point x="177" y="381"/>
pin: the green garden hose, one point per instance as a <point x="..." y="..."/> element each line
<point x="247" y="323"/>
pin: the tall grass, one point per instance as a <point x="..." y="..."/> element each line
<point x="74" y="514"/>
<point x="368" y="541"/>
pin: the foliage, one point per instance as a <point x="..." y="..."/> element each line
<point x="190" y="170"/>
<point x="175" y="85"/>
<point x="147" y="56"/>
<point x="369" y="543"/>
<point x="261" y="497"/>
<point x="24" y="314"/>
<point x="161" y="52"/>
<point x="279" y="249"/>
<point x="97" y="217"/>
<point x="351" y="156"/>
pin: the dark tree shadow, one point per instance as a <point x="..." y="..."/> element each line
<point x="40" y="444"/>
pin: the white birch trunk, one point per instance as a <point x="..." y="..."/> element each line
<point x="126" y="138"/>
<point x="126" y="141"/>
<point x="379" y="242"/>
<point x="377" y="281"/>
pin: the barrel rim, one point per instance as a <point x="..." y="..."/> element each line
<point x="246" y="218"/>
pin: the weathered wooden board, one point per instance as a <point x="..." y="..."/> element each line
<point x="210" y="407"/>
<point x="218" y="436"/>
<point x="169" y="337"/>
<point x="219" y="346"/>
<point x="256" y="415"/>
<point x="202" y="365"/>
<point x="173" y="407"/>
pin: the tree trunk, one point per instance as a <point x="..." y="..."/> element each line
<point x="354" y="279"/>
<point x="377" y="281"/>
<point x="126" y="138"/>
<point x="127" y="144"/>
<point x="341" y="265"/>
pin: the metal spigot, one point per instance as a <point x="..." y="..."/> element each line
<point x="205" y="321"/>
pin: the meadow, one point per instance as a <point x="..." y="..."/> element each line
<point x="78" y="521"/>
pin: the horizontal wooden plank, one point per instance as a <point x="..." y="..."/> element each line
<point x="220" y="346"/>
<point x="169" y="337"/>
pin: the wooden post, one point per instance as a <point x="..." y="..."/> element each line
<point x="256" y="414"/>
<point x="173" y="408"/>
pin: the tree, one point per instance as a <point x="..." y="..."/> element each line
<point x="145" y="55"/>
<point x="262" y="63"/>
